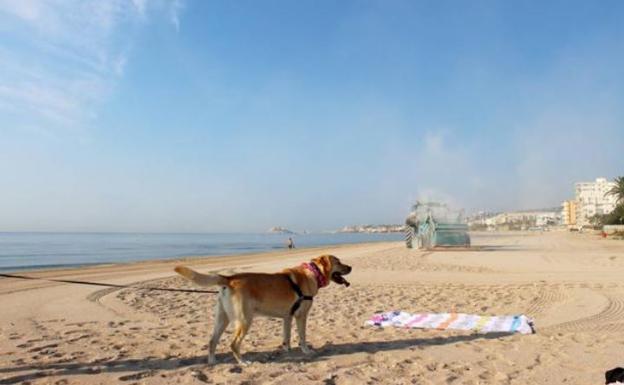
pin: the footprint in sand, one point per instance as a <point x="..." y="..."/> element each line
<point x="80" y="337"/>
<point x="76" y="331"/>
<point x="200" y="376"/>
<point x="37" y="349"/>
<point x="15" y="336"/>
<point x="138" y="376"/>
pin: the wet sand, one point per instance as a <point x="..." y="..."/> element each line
<point x="571" y="284"/>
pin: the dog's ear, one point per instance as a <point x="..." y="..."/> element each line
<point x="325" y="263"/>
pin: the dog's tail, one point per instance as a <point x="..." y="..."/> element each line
<point x="201" y="279"/>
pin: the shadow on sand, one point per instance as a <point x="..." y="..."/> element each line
<point x="148" y="367"/>
<point x="500" y="248"/>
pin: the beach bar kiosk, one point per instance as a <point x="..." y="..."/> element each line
<point x="431" y="224"/>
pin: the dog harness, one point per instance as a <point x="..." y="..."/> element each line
<point x="320" y="280"/>
<point x="300" y="296"/>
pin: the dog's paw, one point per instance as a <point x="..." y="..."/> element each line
<point x="305" y="349"/>
<point x="284" y="348"/>
<point x="212" y="360"/>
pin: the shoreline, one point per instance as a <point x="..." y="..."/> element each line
<point x="196" y="259"/>
<point x="31" y="252"/>
<point x="218" y="256"/>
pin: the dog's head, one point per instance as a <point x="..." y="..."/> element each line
<point x="333" y="268"/>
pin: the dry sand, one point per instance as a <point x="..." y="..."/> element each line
<point x="570" y="283"/>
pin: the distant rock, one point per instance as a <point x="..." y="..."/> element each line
<point x="280" y="230"/>
<point x="372" y="229"/>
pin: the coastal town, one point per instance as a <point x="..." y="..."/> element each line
<point x="592" y="201"/>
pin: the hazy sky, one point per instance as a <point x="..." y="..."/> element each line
<point x="151" y="115"/>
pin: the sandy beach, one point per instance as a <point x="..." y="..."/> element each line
<point x="571" y="284"/>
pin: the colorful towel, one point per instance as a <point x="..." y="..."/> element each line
<point x="458" y="321"/>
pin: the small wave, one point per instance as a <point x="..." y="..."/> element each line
<point x="7" y="269"/>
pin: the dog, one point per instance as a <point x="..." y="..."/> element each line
<point x="284" y="295"/>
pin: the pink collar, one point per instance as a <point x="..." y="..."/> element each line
<point x="321" y="281"/>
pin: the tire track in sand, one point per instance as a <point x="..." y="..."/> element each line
<point x="610" y="319"/>
<point x="549" y="295"/>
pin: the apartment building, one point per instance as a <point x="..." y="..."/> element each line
<point x="592" y="199"/>
<point x="568" y="213"/>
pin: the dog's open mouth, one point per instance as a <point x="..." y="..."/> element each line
<point x="339" y="279"/>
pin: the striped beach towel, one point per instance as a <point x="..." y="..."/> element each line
<point x="457" y="321"/>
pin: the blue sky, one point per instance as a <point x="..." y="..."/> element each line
<point x="154" y="115"/>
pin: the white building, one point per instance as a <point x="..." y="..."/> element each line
<point x="592" y="198"/>
<point x="548" y="218"/>
<point x="525" y="218"/>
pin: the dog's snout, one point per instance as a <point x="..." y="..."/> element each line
<point x="347" y="269"/>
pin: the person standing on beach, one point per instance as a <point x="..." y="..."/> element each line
<point x="291" y="244"/>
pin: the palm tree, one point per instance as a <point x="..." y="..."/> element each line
<point x="615" y="217"/>
<point x="618" y="189"/>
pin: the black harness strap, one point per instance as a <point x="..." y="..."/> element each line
<point x="108" y="284"/>
<point x="300" y="296"/>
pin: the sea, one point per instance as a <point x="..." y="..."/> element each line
<point x="30" y="251"/>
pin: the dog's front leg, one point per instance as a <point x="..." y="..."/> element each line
<point x="301" y="330"/>
<point x="286" y="333"/>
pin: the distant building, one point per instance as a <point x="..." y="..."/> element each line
<point x="523" y="219"/>
<point x="592" y="199"/>
<point x="568" y="213"/>
<point x="548" y="218"/>
<point x="373" y="229"/>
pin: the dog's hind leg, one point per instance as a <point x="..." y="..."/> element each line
<point x="286" y="333"/>
<point x="241" y="326"/>
<point x="241" y="315"/>
<point x="221" y="322"/>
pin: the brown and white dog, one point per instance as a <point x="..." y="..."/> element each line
<point x="285" y="295"/>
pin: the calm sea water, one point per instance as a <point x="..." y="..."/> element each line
<point x="24" y="251"/>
